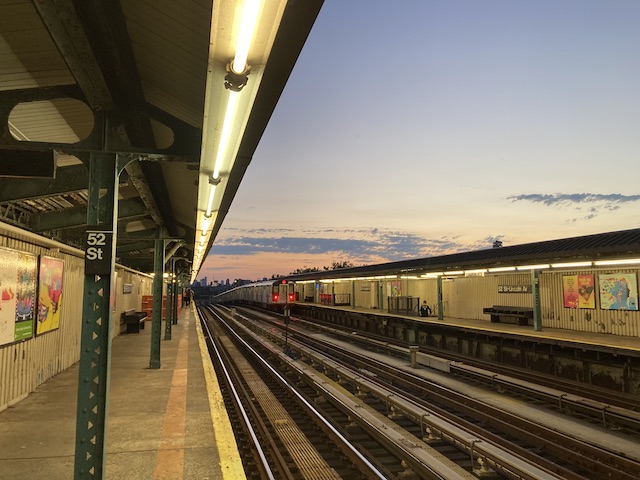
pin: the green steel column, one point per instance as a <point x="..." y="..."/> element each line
<point x="440" y="305"/>
<point x="176" y="288"/>
<point x="156" y="315"/>
<point x="95" y="341"/>
<point x="169" y="312"/>
<point x="535" y="292"/>
<point x="353" y="294"/>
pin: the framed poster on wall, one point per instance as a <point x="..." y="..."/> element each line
<point x="50" y="294"/>
<point x="17" y="295"/>
<point x="618" y="291"/>
<point x="578" y="291"/>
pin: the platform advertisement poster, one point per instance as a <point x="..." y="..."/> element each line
<point x="586" y="291"/>
<point x="50" y="294"/>
<point x="618" y="291"/>
<point x="577" y="291"/>
<point x="570" y="291"/>
<point x="17" y="295"/>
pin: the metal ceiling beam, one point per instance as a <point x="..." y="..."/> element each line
<point x="92" y="37"/>
<point x="77" y="216"/>
<point x="107" y="32"/>
<point x="68" y="180"/>
<point x="135" y="247"/>
<point x="67" y="31"/>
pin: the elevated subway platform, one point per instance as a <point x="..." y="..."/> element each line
<point x="556" y="336"/>
<point x="166" y="423"/>
<point x="600" y="359"/>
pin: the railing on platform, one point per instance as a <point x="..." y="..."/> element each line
<point x="403" y="305"/>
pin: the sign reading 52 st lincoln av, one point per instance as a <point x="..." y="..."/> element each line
<point x="514" y="288"/>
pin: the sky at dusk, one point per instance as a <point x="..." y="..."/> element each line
<point x="417" y="128"/>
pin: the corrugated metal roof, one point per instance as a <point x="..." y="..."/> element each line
<point x="622" y="244"/>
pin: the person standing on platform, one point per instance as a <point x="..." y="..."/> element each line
<point x="425" y="310"/>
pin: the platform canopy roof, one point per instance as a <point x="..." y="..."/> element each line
<point x="143" y="80"/>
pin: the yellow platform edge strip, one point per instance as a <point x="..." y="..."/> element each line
<point x="230" y="462"/>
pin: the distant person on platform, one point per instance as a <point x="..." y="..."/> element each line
<point x="425" y="310"/>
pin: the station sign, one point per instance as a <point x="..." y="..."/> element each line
<point x="98" y="251"/>
<point x="514" y="289"/>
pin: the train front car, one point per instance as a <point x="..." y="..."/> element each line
<point x="282" y="293"/>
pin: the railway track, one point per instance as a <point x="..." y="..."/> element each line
<point x="569" y="457"/>
<point x="614" y="410"/>
<point x="300" y="442"/>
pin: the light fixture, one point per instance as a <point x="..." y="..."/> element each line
<point x="627" y="261"/>
<point x="247" y="27"/>
<point x="235" y="81"/>
<point x="432" y="274"/>
<point x="502" y="269"/>
<point x="572" y="264"/>
<point x="453" y="272"/>
<point x="532" y="267"/>
<point x="213" y="183"/>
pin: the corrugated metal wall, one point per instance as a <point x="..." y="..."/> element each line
<point x="465" y="297"/>
<point x="26" y="364"/>
<point x="555" y="315"/>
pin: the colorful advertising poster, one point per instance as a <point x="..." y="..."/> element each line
<point x="17" y="295"/>
<point x="570" y="291"/>
<point x="586" y="291"/>
<point x="578" y="291"/>
<point x="49" y="294"/>
<point x="618" y="291"/>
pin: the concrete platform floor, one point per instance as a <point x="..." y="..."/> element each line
<point x="160" y="422"/>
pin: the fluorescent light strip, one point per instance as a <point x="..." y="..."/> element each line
<point x="571" y="265"/>
<point x="453" y="272"/>
<point x="628" y="261"/>
<point x="212" y="192"/>
<point x="247" y="27"/>
<point x="232" y="105"/>
<point x="532" y="267"/>
<point x="502" y="269"/>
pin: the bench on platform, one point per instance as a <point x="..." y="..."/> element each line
<point x="519" y="315"/>
<point x="134" y="320"/>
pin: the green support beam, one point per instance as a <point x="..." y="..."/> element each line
<point x="440" y="305"/>
<point x="169" y="317"/>
<point x="535" y="294"/>
<point x="156" y="316"/>
<point x="95" y="342"/>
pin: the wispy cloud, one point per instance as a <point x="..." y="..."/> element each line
<point x="591" y="203"/>
<point x="363" y="246"/>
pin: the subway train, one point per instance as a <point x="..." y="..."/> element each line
<point x="271" y="294"/>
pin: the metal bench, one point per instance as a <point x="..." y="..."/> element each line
<point x="520" y="315"/>
<point x="134" y="320"/>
